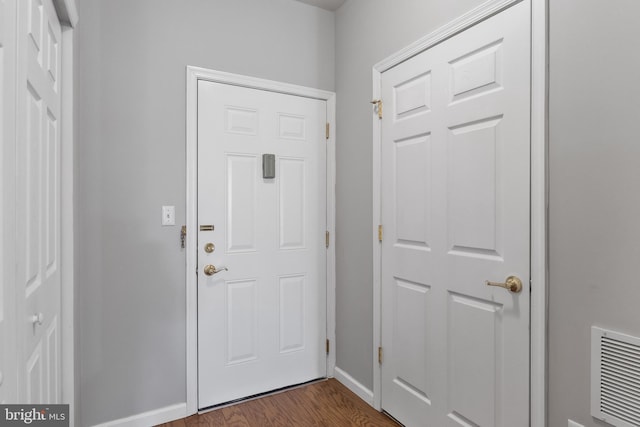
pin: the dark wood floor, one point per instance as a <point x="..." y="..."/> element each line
<point x="325" y="403"/>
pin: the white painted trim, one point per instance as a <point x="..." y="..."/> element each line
<point x="151" y="418"/>
<point x="190" y="247"/>
<point x="331" y="227"/>
<point x="349" y="382"/>
<point x="67" y="167"/>
<point x="193" y="75"/>
<point x="67" y="12"/>
<point x="474" y="16"/>
<point x="257" y="83"/>
<point x="10" y="349"/>
<point x="377" y="245"/>
<point x="539" y="197"/>
<point x="539" y="187"/>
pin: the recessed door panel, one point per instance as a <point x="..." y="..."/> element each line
<point x="35" y="24"/>
<point x="291" y="126"/>
<point x="474" y="190"/>
<point x="291" y="209"/>
<point x="242" y="321"/>
<point x="34" y="374"/>
<point x="477" y="72"/>
<point x="33" y="178"/>
<point x="53" y="48"/>
<point x="411" y="342"/>
<point x="292" y="313"/>
<point x="52" y="183"/>
<point x="413" y="96"/>
<point x="475" y="336"/>
<point x="412" y="178"/>
<point x="242" y="121"/>
<point x="53" y="364"/>
<point x="242" y="209"/>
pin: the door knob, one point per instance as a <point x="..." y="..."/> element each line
<point x="37" y="319"/>
<point x="512" y="283"/>
<point x="210" y="270"/>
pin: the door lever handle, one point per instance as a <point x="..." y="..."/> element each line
<point x="210" y="269"/>
<point x="512" y="283"/>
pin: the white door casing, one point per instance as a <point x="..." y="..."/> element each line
<point x="38" y="202"/>
<point x="262" y="323"/>
<point x="7" y="183"/>
<point x="455" y="209"/>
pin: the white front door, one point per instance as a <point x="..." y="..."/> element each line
<point x="262" y="322"/>
<point x="38" y="202"/>
<point x="455" y="211"/>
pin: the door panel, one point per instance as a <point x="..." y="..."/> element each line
<point x="38" y="201"/>
<point x="261" y="323"/>
<point x="455" y="207"/>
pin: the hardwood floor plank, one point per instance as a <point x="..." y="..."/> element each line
<point x="273" y="414"/>
<point x="322" y="404"/>
<point x="255" y="415"/>
<point x="209" y="419"/>
<point x="234" y="416"/>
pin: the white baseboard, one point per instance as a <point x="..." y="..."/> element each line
<point x="353" y="385"/>
<point x="151" y="418"/>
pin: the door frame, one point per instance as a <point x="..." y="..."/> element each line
<point x="68" y="16"/>
<point x="195" y="74"/>
<point x="539" y="189"/>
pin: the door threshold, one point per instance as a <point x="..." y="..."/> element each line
<point x="259" y="395"/>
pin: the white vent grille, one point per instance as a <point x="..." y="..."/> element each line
<point x="615" y="377"/>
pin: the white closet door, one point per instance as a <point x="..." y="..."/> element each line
<point x="455" y="210"/>
<point x="38" y="202"/>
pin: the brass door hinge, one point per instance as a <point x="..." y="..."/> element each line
<point x="328" y="346"/>
<point x="328" y="131"/>
<point x="380" y="355"/>
<point x="326" y="239"/>
<point x="378" y="107"/>
<point x="380" y="231"/>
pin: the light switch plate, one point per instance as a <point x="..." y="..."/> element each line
<point x="571" y="423"/>
<point x="168" y="215"/>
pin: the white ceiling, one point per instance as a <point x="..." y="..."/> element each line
<point x="325" y="4"/>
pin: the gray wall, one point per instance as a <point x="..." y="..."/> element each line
<point x="131" y="160"/>
<point x="594" y="197"/>
<point x="367" y="31"/>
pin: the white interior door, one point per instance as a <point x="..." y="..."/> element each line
<point x="38" y="201"/>
<point x="455" y="210"/>
<point x="262" y="322"/>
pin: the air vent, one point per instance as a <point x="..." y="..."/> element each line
<point x="615" y="377"/>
